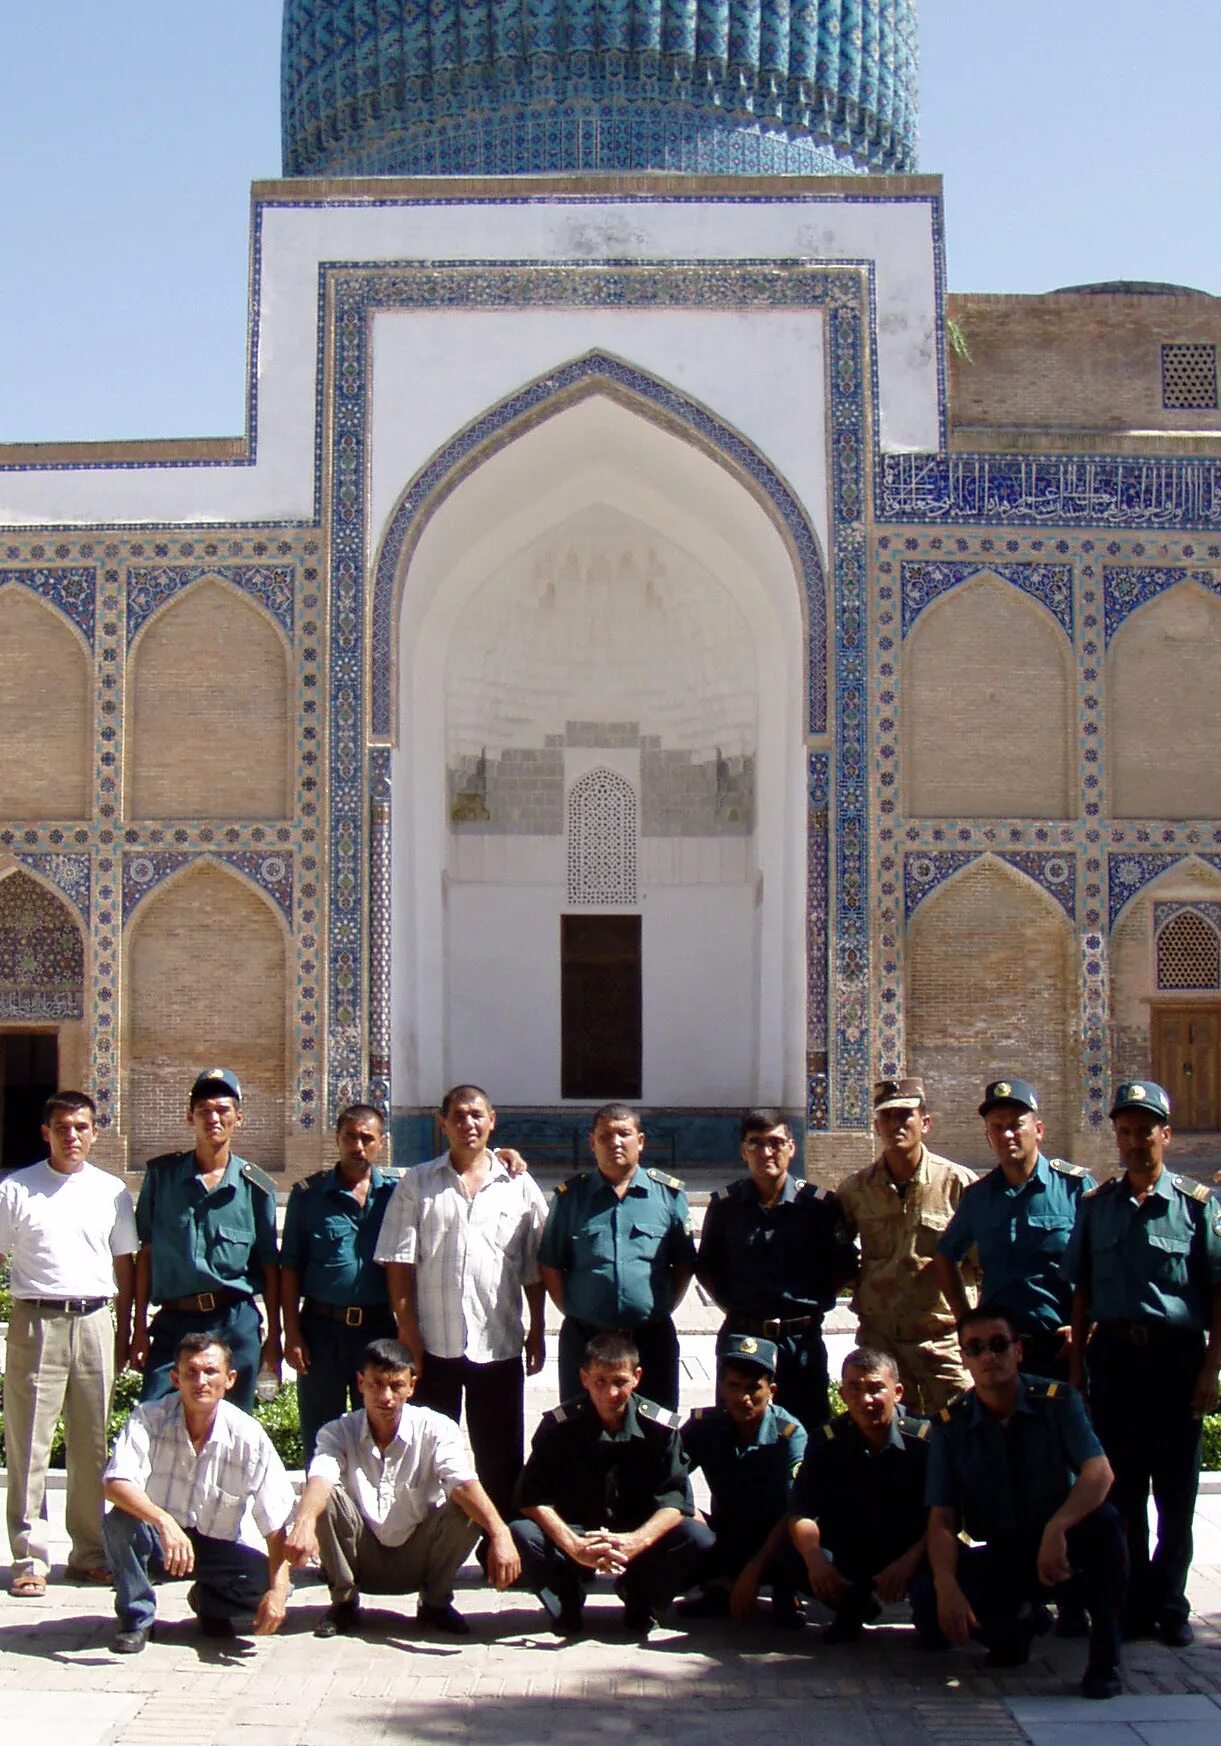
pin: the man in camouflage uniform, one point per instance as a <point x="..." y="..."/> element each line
<point x="900" y="1207"/>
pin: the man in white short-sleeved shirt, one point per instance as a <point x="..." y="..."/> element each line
<point x="459" y="1243"/>
<point x="69" y="1232"/>
<point x="392" y="1504"/>
<point x="195" y="1484"/>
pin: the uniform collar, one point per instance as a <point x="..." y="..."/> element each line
<point x="629" y="1431"/>
<point x="635" y="1186"/>
<point x="894" y="1437"/>
<point x="336" y="1184"/>
<point x="980" y="1414"/>
<point x="1035" y="1183"/>
<point x="1163" y="1188"/>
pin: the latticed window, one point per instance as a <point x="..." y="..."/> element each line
<point x="1188" y="952"/>
<point x="1189" y="377"/>
<point x="602" y="833"/>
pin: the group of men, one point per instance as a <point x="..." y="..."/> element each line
<point x="986" y="1305"/>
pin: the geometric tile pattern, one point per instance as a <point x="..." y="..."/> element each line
<point x="42" y="958"/>
<point x="271" y="871"/>
<point x="1124" y="589"/>
<point x="1050" y="584"/>
<point x="71" y="590"/>
<point x="270" y="584"/>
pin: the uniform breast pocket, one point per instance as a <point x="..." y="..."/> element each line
<point x="1048" y="1232"/>
<point x="336" y="1227"/>
<point x="1168" y="1258"/>
<point x="878" y="1237"/>
<point x="646" y="1231"/>
<point x="929" y="1232"/>
<point x="229" y="1248"/>
<point x="593" y="1246"/>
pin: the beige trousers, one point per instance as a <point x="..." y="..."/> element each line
<point x="931" y="1371"/>
<point x="427" y="1561"/>
<point x="56" y="1363"/>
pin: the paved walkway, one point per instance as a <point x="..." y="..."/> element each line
<point x="513" y="1685"/>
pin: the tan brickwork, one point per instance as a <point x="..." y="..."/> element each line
<point x="991" y="991"/>
<point x="206" y="986"/>
<point x="45" y="712"/>
<point x="1075" y="361"/>
<point x="1162" y="672"/>
<point x="209" y="712"/>
<point x="986" y="713"/>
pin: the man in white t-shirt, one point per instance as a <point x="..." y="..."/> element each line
<point x="69" y="1232"/>
<point x="392" y="1505"/>
<point x="459" y="1243"/>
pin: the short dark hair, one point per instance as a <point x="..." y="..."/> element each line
<point x="870" y="1359"/>
<point x="611" y="1348"/>
<point x="387" y="1354"/>
<point x="762" y="1121"/>
<point x="202" y="1341"/>
<point x="615" y="1112"/>
<point x="68" y="1101"/>
<point x="360" y="1112"/>
<point x="462" y="1094"/>
<point x="986" y="1312"/>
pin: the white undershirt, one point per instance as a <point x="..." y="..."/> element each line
<point x="61" y="1231"/>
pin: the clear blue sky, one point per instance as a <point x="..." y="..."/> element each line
<point x="1077" y="139"/>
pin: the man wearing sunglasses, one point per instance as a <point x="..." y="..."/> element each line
<point x="1015" y="1462"/>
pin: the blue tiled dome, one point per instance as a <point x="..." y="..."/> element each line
<point x="504" y="87"/>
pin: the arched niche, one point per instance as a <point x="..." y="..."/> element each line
<point x="46" y="711"/>
<point x="597" y="472"/>
<point x="209" y="710"/>
<point x="992" y="991"/>
<point x="1162" y="715"/>
<point x="987" y="720"/>
<point x="206" y="980"/>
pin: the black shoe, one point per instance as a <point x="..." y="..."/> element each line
<point x="1175" y="1633"/>
<point x="1014" y="1653"/>
<point x="844" y="1628"/>
<point x="339" y="1619"/>
<point x="638" y="1620"/>
<point x="563" y="1615"/>
<point x="787" y="1612"/>
<point x="130" y="1642"/>
<point x="446" y="1618"/>
<point x="212" y="1625"/>
<point x="1100" y="1684"/>
<point x="1071" y="1620"/>
<point x="709" y="1603"/>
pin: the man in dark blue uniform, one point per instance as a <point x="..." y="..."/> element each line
<point x="331" y="1229"/>
<point x="857" y="1518"/>
<point x="206" y="1220"/>
<point x="1018" y="1218"/>
<point x="605" y="1493"/>
<point x="1014" y="1461"/>
<point x="773" y="1255"/>
<point x="1145" y="1261"/>
<point x="617" y="1254"/>
<point x="750" y="1450"/>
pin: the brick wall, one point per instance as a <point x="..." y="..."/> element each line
<point x="45" y="712"/>
<point x="1162" y="672"/>
<point x="991" y="991"/>
<point x="208" y="712"/>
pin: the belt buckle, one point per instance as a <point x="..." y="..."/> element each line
<point x="1138" y="1334"/>
<point x="206" y="1302"/>
<point x="772" y="1326"/>
<point x="353" y="1316"/>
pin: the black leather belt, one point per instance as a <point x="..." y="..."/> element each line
<point x="352" y="1315"/>
<point x="67" y="1306"/>
<point x="771" y="1327"/>
<point x="206" y="1303"/>
<point x="1147" y="1333"/>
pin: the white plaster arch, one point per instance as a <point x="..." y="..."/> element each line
<point x="598" y="451"/>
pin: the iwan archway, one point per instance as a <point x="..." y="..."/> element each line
<point x="599" y="774"/>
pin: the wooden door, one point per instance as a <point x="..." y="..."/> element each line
<point x="1187" y="1061"/>
<point x="600" y="996"/>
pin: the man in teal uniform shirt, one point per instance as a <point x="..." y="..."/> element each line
<point x="1018" y="1218"/>
<point x="331" y="1227"/>
<point x="206" y="1220"/>
<point x="1145" y="1262"/>
<point x="750" y="1450"/>
<point x="617" y="1254"/>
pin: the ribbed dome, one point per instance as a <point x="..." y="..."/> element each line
<point x="505" y="87"/>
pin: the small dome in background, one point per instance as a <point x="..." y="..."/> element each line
<point x="513" y="87"/>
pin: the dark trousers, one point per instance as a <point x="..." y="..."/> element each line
<point x="1140" y="1401"/>
<point x="858" y="1557"/>
<point x="656" y="1342"/>
<point x="649" y="1583"/>
<point x="495" y="1415"/>
<point x="229" y="1580"/>
<point x="999" y="1579"/>
<point x="328" y="1388"/>
<point x="238" y="1326"/>
<point x="1043" y="1354"/>
<point x="784" y="1573"/>
<point x="801" y="1371"/>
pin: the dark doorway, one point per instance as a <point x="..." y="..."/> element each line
<point x="29" y="1073"/>
<point x="600" y="1028"/>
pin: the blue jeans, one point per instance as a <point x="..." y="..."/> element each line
<point x="229" y="1579"/>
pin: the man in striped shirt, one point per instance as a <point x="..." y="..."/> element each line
<point x="460" y="1246"/>
<point x="194" y="1482"/>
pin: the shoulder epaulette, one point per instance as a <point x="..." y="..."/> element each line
<point x="164" y="1158"/>
<point x="786" y="1431"/>
<point x="666" y="1180"/>
<point x="559" y="1415"/>
<point x="953" y="1408"/>
<point x="649" y="1409"/>
<point x="706" y="1412"/>
<point x="915" y="1429"/>
<point x="1194" y="1190"/>
<point x="836" y="1427"/>
<point x="1107" y="1187"/>
<point x="1043" y="1388"/>
<point x="570" y="1182"/>
<point x="315" y="1180"/>
<point x="1067" y="1169"/>
<point x="258" y="1177"/>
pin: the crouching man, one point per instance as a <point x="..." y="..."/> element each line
<point x="188" y="1474"/>
<point x="391" y="1503"/>
<point x="858" y="1517"/>
<point x="605" y="1493"/>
